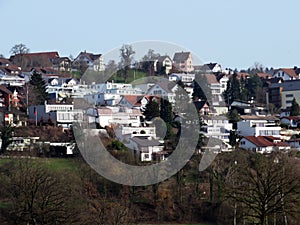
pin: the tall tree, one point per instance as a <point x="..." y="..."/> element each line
<point x="38" y="93"/>
<point x="295" y="108"/>
<point x="152" y="110"/>
<point x="40" y="196"/>
<point x="19" y="49"/>
<point x="233" y="91"/>
<point x="18" y="52"/>
<point x="265" y="189"/>
<point x="252" y="85"/>
<point x="6" y="135"/>
<point x="166" y="112"/>
<point x="127" y="57"/>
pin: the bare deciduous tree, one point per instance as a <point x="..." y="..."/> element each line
<point x="265" y="190"/>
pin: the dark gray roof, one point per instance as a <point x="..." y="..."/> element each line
<point x="144" y="142"/>
<point x="181" y="56"/>
<point x="289" y="85"/>
<point x="162" y="58"/>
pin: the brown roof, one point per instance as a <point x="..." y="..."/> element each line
<point x="264" y="75"/>
<point x="211" y="79"/>
<point x="133" y="99"/>
<point x="49" y="55"/>
<point x="261" y="141"/>
<point x="4" y="62"/>
<point x="289" y="71"/>
<point x="4" y="89"/>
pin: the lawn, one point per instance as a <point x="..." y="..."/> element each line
<point x="66" y="164"/>
<point x="132" y="76"/>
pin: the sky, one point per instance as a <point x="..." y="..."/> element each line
<point x="234" y="33"/>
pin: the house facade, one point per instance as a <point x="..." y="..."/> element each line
<point x="258" y="126"/>
<point x="164" y="62"/>
<point x="94" y="62"/>
<point x="183" y="61"/>
<point x="62" y="114"/>
<point x="108" y="116"/>
<point x="286" y="73"/>
<point x="147" y="149"/>
<point x="263" y="144"/>
<point x="216" y="127"/>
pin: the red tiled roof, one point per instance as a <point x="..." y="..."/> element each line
<point x="262" y="141"/>
<point x="49" y="55"/>
<point x="264" y="75"/>
<point x="289" y="71"/>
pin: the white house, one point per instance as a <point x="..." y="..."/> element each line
<point x="94" y="62"/>
<point x="286" y="74"/>
<point x="165" y="62"/>
<point x="61" y="114"/>
<point x="165" y="89"/>
<point x="108" y="116"/>
<point x="263" y="144"/>
<point x="258" y="126"/>
<point x="216" y="127"/>
<point x="214" y="67"/>
<point x="147" y="149"/>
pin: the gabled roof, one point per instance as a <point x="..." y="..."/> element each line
<point x="144" y="142"/>
<point x="211" y="66"/>
<point x="200" y="104"/>
<point x="211" y="79"/>
<point x="289" y="71"/>
<point x="134" y="100"/>
<point x="4" y="62"/>
<point x="56" y="61"/>
<point x="165" y="85"/>
<point x="181" y="56"/>
<point x="92" y="57"/>
<point x="162" y="58"/>
<point x="264" y="75"/>
<point x="262" y="141"/>
<point x="5" y="90"/>
<point x="48" y="55"/>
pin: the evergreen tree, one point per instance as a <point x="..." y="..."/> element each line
<point x="233" y="91"/>
<point x="198" y="93"/>
<point x="234" y="117"/>
<point x="152" y="110"/>
<point x="252" y="86"/>
<point x="39" y="94"/>
<point x="295" y="108"/>
<point x="6" y="135"/>
<point x="166" y="111"/>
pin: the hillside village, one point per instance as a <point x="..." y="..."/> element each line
<point x="242" y="129"/>
<point x="255" y="109"/>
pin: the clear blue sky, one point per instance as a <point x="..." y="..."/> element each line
<point x="235" y="33"/>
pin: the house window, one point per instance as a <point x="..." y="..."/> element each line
<point x="289" y="95"/>
<point x="146" y="156"/>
